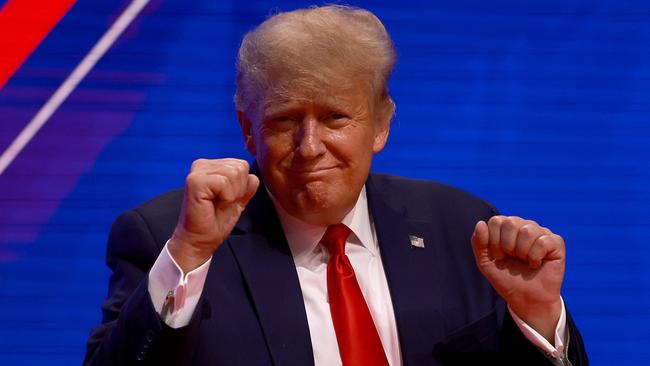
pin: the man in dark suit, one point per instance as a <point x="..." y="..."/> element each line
<point x="307" y="258"/>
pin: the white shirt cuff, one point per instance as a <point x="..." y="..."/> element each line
<point x="535" y="338"/>
<point x="182" y="293"/>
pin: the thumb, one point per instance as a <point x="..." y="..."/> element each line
<point x="251" y="187"/>
<point x="480" y="239"/>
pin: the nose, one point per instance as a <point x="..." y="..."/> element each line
<point x="309" y="143"/>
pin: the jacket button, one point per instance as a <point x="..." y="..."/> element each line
<point x="149" y="336"/>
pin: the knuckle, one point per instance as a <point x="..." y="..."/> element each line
<point x="527" y="230"/>
<point x="229" y="171"/>
<point x="196" y="164"/>
<point x="495" y="220"/>
<point x="532" y="223"/>
<point x="225" y="191"/>
<point x="509" y="223"/>
<point x="244" y="166"/>
<point x="545" y="241"/>
<point x="192" y="180"/>
<point x="224" y="181"/>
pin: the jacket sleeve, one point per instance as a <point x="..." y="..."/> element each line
<point x="131" y="332"/>
<point x="517" y="350"/>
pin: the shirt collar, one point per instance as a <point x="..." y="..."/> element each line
<point x="303" y="238"/>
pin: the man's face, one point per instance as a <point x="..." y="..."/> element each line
<point x="315" y="147"/>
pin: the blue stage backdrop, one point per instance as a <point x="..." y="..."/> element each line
<point x="540" y="107"/>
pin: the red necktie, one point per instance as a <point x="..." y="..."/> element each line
<point x="356" y="335"/>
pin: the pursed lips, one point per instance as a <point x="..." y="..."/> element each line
<point x="310" y="172"/>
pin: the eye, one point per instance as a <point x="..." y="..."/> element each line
<point x="280" y="122"/>
<point x="337" y="116"/>
<point x="335" y="119"/>
<point x="281" y="118"/>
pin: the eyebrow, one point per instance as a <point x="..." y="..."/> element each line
<point x="276" y="105"/>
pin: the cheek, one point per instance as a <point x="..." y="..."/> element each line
<point x="273" y="146"/>
<point x="354" y="146"/>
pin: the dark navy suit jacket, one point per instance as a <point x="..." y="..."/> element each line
<point x="251" y="311"/>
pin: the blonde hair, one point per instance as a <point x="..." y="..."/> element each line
<point x="330" y="44"/>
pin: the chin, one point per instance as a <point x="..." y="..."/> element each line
<point x="316" y="204"/>
<point x="314" y="196"/>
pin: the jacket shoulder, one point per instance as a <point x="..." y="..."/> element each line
<point x="425" y="198"/>
<point x="160" y="214"/>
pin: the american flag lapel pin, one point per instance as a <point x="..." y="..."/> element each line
<point x="416" y="241"/>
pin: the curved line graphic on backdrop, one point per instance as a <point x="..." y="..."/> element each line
<point x="71" y="82"/>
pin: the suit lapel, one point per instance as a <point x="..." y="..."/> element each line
<point x="261" y="249"/>
<point x="413" y="273"/>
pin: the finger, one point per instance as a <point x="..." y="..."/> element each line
<point x="546" y="247"/>
<point x="494" y="229"/>
<point x="221" y="188"/>
<point x="199" y="165"/>
<point x="210" y="165"/>
<point x="203" y="163"/>
<point x="538" y="251"/>
<point x="219" y="166"/>
<point x="527" y="234"/>
<point x="508" y="234"/>
<point x="253" y="183"/>
<point x="200" y="187"/>
<point x="235" y="170"/>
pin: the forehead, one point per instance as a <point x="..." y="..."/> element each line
<point x="346" y="94"/>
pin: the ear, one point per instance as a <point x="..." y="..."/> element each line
<point x="246" y="126"/>
<point x="382" y="125"/>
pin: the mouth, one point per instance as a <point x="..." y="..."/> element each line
<point x="316" y="172"/>
<point x="313" y="170"/>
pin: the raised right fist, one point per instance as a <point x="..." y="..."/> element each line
<point x="216" y="193"/>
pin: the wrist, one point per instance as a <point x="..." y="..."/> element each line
<point x="187" y="256"/>
<point x="543" y="318"/>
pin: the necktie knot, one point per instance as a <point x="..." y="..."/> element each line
<point x="335" y="237"/>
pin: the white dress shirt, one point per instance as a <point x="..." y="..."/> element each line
<point x="168" y="286"/>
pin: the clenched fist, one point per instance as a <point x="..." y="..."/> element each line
<point x="524" y="262"/>
<point x="216" y="193"/>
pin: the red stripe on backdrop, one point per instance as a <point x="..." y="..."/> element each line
<point x="23" y="26"/>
